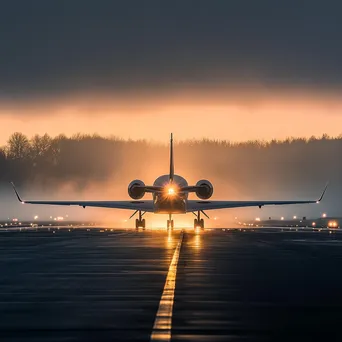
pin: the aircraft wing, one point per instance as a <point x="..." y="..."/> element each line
<point x="208" y="205"/>
<point x="193" y="205"/>
<point x="132" y="205"/>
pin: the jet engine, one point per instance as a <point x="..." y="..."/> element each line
<point x="136" y="189"/>
<point x="204" y="189"/>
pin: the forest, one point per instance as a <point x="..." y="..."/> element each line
<point x="85" y="159"/>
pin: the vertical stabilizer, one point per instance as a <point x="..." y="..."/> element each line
<point x="172" y="168"/>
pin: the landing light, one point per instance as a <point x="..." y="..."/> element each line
<point x="332" y="224"/>
<point x="171" y="191"/>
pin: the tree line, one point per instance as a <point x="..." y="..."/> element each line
<point x="260" y="165"/>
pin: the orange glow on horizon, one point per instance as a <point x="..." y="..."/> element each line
<point x="219" y="113"/>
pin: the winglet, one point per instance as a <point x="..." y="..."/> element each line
<point x="16" y="192"/>
<point x="320" y="199"/>
<point x="172" y="167"/>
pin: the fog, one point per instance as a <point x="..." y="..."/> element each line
<point x="97" y="168"/>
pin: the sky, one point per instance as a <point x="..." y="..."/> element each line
<point x="233" y="70"/>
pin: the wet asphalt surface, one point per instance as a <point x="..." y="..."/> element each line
<point x="103" y="285"/>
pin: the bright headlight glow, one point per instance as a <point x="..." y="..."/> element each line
<point x="171" y="191"/>
<point x="332" y="224"/>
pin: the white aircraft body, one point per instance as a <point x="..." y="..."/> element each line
<point x="170" y="196"/>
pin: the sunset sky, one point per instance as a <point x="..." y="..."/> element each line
<point x="233" y="70"/>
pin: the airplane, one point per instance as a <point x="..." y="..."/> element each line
<point x="170" y="196"/>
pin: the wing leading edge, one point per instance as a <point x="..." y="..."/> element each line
<point x="131" y="205"/>
<point x="194" y="205"/>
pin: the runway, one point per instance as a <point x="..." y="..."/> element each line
<point x="103" y="285"/>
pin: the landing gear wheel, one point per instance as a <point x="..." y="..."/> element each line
<point x="201" y="224"/>
<point x="140" y="224"/>
<point x="170" y="224"/>
<point x="195" y="223"/>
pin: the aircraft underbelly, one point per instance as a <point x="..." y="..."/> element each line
<point x="170" y="206"/>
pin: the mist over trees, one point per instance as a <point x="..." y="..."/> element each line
<point x="252" y="168"/>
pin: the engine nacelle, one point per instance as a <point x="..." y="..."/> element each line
<point x="136" y="189"/>
<point x="205" y="189"/>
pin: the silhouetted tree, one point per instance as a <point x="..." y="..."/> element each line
<point x="40" y="147"/>
<point x="18" y="146"/>
<point x="3" y="164"/>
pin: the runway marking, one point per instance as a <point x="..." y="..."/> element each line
<point x="163" y="322"/>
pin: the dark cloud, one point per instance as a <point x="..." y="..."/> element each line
<point x="54" y="47"/>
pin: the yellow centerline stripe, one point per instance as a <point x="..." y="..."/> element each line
<point x="163" y="321"/>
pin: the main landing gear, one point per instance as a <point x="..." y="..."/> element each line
<point x="198" y="222"/>
<point x="170" y="224"/>
<point x="140" y="222"/>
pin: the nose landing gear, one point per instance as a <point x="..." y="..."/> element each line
<point x="170" y="223"/>
<point x="198" y="223"/>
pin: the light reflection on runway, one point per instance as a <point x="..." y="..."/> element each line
<point x="87" y="286"/>
<point x="258" y="286"/>
<point x="169" y="239"/>
<point x="82" y="285"/>
<point x="163" y="322"/>
<point x="197" y="240"/>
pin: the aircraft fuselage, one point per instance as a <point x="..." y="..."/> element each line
<point x="165" y="203"/>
